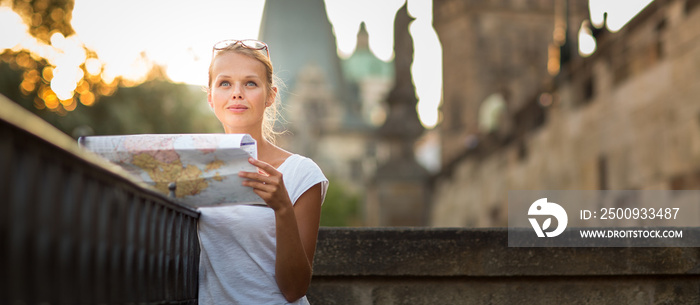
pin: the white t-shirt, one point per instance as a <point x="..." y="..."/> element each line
<point x="238" y="244"/>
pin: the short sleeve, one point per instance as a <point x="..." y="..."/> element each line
<point x="300" y="174"/>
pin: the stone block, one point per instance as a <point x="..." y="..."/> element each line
<point x="475" y="266"/>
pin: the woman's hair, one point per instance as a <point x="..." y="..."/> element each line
<point x="271" y="81"/>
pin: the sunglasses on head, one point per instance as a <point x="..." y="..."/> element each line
<point x="246" y="43"/>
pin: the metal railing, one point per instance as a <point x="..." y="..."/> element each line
<point x="74" y="230"/>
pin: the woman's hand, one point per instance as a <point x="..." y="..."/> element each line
<point x="268" y="184"/>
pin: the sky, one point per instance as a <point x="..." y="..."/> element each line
<point x="126" y="38"/>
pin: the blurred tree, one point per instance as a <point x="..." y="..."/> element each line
<point x="155" y="106"/>
<point x="341" y="207"/>
<point x="15" y="68"/>
<point x="45" y="17"/>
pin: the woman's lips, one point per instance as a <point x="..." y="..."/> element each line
<point x="237" y="108"/>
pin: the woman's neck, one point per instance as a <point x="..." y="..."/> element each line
<point x="271" y="153"/>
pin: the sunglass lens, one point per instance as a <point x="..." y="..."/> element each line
<point x="253" y="44"/>
<point x="223" y="44"/>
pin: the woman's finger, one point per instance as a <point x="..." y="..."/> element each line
<point x="256" y="177"/>
<point x="257" y="185"/>
<point x="267" y="168"/>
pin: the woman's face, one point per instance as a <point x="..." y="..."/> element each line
<point x="239" y="93"/>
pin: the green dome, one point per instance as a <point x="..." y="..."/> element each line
<point x="363" y="64"/>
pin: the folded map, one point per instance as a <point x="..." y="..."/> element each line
<point x="204" y="167"/>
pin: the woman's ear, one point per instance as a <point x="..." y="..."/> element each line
<point x="271" y="97"/>
<point x="210" y="101"/>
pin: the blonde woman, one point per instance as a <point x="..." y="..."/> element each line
<point x="255" y="254"/>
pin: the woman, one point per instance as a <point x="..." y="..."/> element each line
<point x="254" y="254"/>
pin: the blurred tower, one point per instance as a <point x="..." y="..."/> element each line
<point x="321" y="110"/>
<point x="509" y="48"/>
<point x="371" y="77"/>
<point x="299" y="34"/>
<point x="397" y="195"/>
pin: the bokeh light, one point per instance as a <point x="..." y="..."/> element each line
<point x="93" y="66"/>
<point x="54" y="66"/>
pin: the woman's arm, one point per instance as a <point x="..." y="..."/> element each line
<point x="296" y="228"/>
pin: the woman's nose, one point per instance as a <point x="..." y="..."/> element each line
<point x="236" y="94"/>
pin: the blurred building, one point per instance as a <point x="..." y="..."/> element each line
<point x="331" y="107"/>
<point x="356" y="117"/>
<point x="370" y="77"/>
<point x="522" y="110"/>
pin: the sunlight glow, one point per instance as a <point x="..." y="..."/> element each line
<point x="180" y="40"/>
<point x="13" y="29"/>
<point x="57" y="82"/>
<point x="67" y="59"/>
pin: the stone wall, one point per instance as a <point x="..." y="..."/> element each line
<point x="627" y="117"/>
<point x="475" y="266"/>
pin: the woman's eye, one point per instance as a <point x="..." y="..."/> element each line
<point x="224" y="84"/>
<point x="251" y="84"/>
